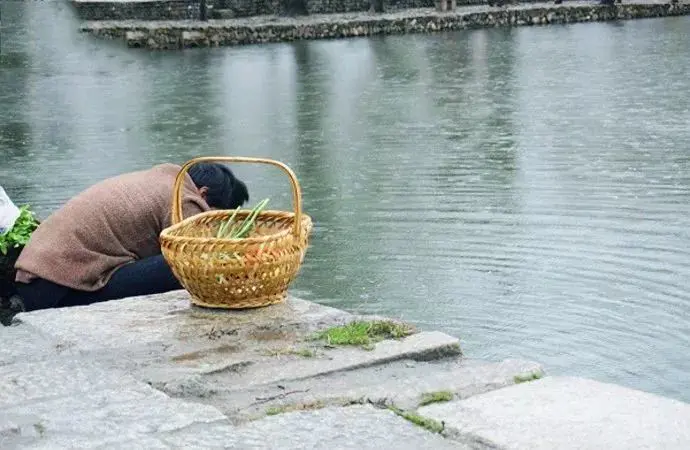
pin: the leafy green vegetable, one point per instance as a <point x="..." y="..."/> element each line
<point x="230" y="229"/>
<point x="20" y="233"/>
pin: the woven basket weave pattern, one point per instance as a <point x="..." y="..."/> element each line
<point x="237" y="273"/>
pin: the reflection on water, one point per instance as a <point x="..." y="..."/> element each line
<point x="527" y="189"/>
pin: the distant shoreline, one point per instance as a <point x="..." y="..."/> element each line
<point x="167" y="35"/>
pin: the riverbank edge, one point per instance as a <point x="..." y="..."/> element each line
<point x="157" y="372"/>
<point x="175" y="35"/>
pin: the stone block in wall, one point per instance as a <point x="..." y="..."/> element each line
<point x="247" y="8"/>
<point x="405" y="4"/>
<point x="137" y="10"/>
<point x="337" y="6"/>
<point x="293" y="8"/>
<point x="445" y="5"/>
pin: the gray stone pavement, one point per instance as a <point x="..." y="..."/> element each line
<point x="155" y="372"/>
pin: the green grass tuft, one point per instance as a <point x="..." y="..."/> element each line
<point x="421" y="421"/>
<point x="524" y="378"/>
<point x="365" y="334"/>
<point x="436" y="397"/>
<point x="274" y="410"/>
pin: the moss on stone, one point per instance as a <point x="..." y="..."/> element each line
<point x="524" y="378"/>
<point x="275" y="410"/>
<point x="428" y="424"/>
<point x="436" y="397"/>
<point x="303" y="352"/>
<point x="364" y="333"/>
<point x="40" y="429"/>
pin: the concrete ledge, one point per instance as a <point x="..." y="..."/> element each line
<point x="255" y="30"/>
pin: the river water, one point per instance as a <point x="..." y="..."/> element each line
<point x="526" y="190"/>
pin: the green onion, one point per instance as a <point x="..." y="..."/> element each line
<point x="242" y="230"/>
<point x="222" y="230"/>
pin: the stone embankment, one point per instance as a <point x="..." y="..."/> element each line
<point x="155" y="372"/>
<point x="162" y="35"/>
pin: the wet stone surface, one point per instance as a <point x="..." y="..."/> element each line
<point x="566" y="413"/>
<point x="155" y="372"/>
<point x="158" y="372"/>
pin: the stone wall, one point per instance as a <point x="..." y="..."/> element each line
<point x="253" y="31"/>
<point x="189" y="9"/>
<point x="337" y="6"/>
<point x="340" y="6"/>
<point x="139" y="10"/>
<point x="248" y="8"/>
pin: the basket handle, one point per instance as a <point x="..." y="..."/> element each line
<point x="296" y="194"/>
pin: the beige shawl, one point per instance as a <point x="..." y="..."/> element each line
<point x="112" y="223"/>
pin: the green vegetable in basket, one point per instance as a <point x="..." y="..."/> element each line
<point x="231" y="229"/>
<point x="20" y="233"/>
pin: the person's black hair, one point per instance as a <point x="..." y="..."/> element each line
<point x="225" y="191"/>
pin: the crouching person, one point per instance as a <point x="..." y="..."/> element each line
<point x="104" y="245"/>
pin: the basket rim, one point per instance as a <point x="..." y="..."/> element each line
<point x="167" y="232"/>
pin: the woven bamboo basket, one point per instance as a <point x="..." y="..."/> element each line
<point x="236" y="273"/>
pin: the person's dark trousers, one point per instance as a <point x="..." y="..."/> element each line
<point x="143" y="277"/>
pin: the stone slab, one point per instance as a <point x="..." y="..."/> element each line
<point x="67" y="402"/>
<point x="24" y="343"/>
<point x="37" y="381"/>
<point x="170" y="318"/>
<point x="163" y="339"/>
<point x="402" y="383"/>
<point x="88" y="443"/>
<point x="245" y="370"/>
<point x="356" y="427"/>
<point x="418" y="346"/>
<point x="166" y="330"/>
<point x="101" y="417"/>
<point x="566" y="413"/>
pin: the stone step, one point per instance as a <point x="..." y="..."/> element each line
<point x="97" y="410"/>
<point x="247" y="370"/>
<point x="24" y="343"/>
<point x="35" y="381"/>
<point x="169" y="321"/>
<point x="355" y="427"/>
<point x="403" y="384"/>
<point x="163" y="340"/>
<point x="100" y="417"/>
<point x="566" y="413"/>
<point x="65" y="403"/>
